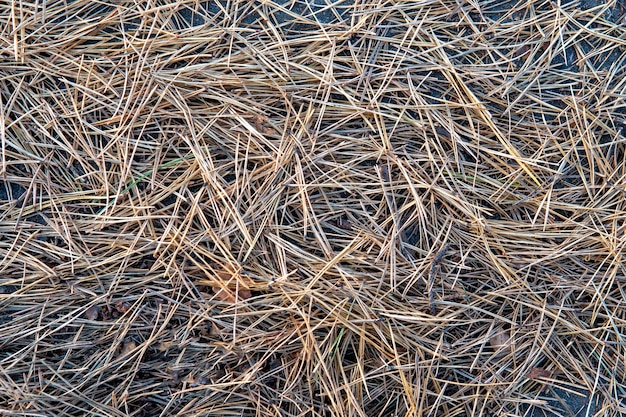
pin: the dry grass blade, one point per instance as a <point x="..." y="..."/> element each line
<point x="311" y="208"/>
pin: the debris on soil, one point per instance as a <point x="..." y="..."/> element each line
<point x="93" y="313"/>
<point x="312" y="208"/>
<point x="539" y="373"/>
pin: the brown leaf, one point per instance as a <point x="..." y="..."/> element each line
<point x="230" y="286"/>
<point x="122" y="306"/>
<point x="92" y="313"/>
<point x="537" y="373"/>
<point x="232" y="295"/>
<point x="260" y="124"/>
<point x="128" y="347"/>
<point x="522" y="52"/>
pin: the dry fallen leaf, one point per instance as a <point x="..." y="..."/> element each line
<point x="128" y="347"/>
<point x="92" y="313"/>
<point x="232" y="295"/>
<point x="537" y="373"/>
<point x="122" y="306"/>
<point x="230" y="286"/>
<point x="261" y="124"/>
<point x="522" y="52"/>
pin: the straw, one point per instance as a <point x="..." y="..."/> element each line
<point x="292" y="208"/>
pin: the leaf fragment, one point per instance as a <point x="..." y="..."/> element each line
<point x="538" y="373"/>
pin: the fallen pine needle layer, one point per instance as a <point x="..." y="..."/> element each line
<point x="358" y="208"/>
